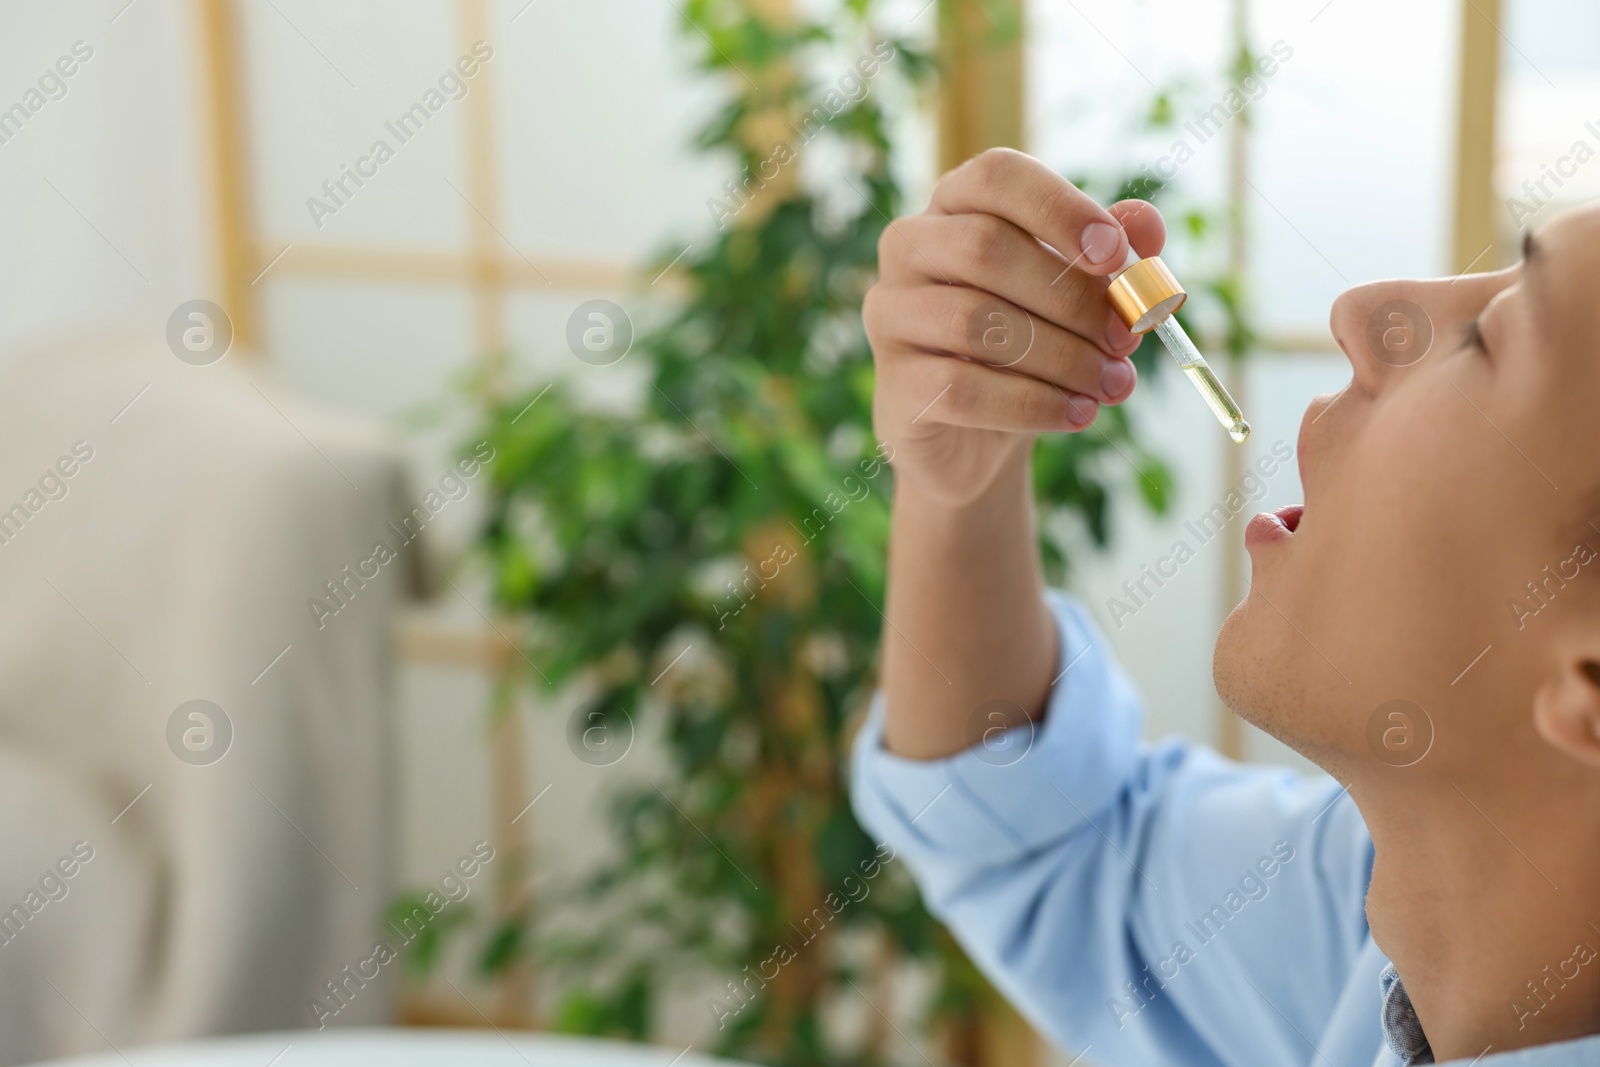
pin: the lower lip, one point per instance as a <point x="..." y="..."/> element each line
<point x="1270" y="526"/>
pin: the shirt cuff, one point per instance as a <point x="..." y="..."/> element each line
<point x="1020" y="789"/>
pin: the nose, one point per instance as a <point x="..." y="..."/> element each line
<point x="1383" y="327"/>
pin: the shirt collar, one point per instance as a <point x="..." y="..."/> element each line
<point x="1402" y="1031"/>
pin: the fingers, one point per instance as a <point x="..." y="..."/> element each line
<point x="1146" y="229"/>
<point x="953" y="392"/>
<point x="990" y="311"/>
<point x="952" y="320"/>
<point x="991" y="254"/>
<point x="1028" y="194"/>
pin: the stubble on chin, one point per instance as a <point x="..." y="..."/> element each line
<point x="1236" y="669"/>
<point x="1258" y="680"/>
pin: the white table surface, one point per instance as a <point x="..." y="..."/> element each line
<point x="420" y="1047"/>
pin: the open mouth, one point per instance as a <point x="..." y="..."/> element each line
<point x="1273" y="525"/>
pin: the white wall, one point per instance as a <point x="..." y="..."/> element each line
<point x="104" y="209"/>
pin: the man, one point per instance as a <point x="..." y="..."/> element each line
<point x="1427" y="630"/>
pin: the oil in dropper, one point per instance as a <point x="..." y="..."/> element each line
<point x="1199" y="372"/>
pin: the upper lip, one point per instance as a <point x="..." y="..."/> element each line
<point x="1313" y="412"/>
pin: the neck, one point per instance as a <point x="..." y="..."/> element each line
<point x="1486" y="897"/>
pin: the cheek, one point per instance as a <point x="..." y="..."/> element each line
<point x="1404" y="519"/>
<point x="1422" y="531"/>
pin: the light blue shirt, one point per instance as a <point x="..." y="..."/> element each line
<point x="1153" y="904"/>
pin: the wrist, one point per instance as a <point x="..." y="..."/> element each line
<point x="980" y="506"/>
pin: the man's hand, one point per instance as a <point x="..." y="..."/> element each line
<point x="989" y="321"/>
<point x="989" y="324"/>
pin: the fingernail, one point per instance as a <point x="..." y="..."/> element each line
<point x="1081" y="410"/>
<point x="1100" y="242"/>
<point x="1116" y="378"/>
<point x="1118" y="337"/>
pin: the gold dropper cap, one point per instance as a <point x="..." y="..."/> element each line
<point x="1145" y="294"/>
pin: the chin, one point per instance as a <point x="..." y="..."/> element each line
<point x="1261" y="682"/>
<point x="1235" y="671"/>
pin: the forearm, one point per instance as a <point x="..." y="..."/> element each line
<point x="967" y="619"/>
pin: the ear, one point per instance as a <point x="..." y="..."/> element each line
<point x="1566" y="710"/>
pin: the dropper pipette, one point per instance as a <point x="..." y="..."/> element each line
<point x="1146" y="297"/>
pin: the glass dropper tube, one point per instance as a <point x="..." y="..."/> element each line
<point x="1146" y="296"/>
<point x="1199" y="372"/>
